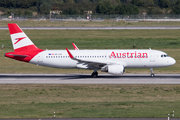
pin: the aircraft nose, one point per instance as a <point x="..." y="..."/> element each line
<point x="173" y="61"/>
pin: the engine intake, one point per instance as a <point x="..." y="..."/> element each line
<point x="113" y="69"/>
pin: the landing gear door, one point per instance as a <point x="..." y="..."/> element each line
<point x="152" y="56"/>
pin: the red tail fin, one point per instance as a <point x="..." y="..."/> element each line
<point x="24" y="48"/>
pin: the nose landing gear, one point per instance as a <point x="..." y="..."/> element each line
<point x="152" y="74"/>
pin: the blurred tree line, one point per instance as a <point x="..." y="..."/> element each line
<point x="74" y="7"/>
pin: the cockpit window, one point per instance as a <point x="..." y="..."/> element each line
<point x="164" y="55"/>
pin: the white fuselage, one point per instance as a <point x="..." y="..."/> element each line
<point x="128" y="58"/>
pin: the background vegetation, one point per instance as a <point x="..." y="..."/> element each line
<point x="73" y="7"/>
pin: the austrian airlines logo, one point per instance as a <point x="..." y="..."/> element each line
<point x="19" y="39"/>
<point x="129" y="55"/>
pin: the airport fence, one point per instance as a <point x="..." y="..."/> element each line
<point x="93" y="17"/>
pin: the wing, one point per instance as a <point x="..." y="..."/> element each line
<point x="91" y="64"/>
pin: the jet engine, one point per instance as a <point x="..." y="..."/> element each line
<point x="113" y="69"/>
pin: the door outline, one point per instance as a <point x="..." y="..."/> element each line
<point x="40" y="57"/>
<point x="152" y="56"/>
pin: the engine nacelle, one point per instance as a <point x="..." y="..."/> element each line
<point x="113" y="69"/>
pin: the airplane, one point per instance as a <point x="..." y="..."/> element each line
<point x="112" y="61"/>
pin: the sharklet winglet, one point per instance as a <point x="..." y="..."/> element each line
<point x="70" y="55"/>
<point x="75" y="47"/>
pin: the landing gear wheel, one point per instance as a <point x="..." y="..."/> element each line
<point x="94" y="74"/>
<point x="152" y="75"/>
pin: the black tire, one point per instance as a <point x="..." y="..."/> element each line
<point x="152" y="75"/>
<point x="94" y="74"/>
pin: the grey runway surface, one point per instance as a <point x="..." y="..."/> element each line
<point x="86" y="79"/>
<point x="99" y="28"/>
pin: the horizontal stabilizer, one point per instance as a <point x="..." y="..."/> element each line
<point x="15" y="55"/>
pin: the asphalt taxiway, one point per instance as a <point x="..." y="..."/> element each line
<point x="87" y="79"/>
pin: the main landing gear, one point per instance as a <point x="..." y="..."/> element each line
<point x="94" y="74"/>
<point x="152" y="74"/>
